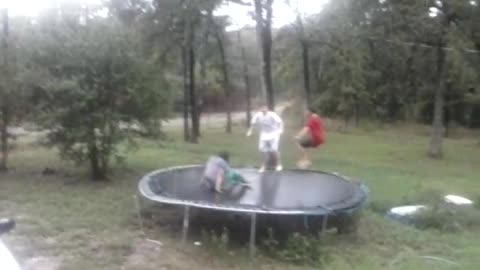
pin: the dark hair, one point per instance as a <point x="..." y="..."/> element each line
<point x="224" y="155"/>
<point x="312" y="110"/>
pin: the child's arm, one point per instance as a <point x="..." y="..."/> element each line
<point x="253" y="122"/>
<point x="219" y="181"/>
<point x="302" y="132"/>
<point x="280" y="123"/>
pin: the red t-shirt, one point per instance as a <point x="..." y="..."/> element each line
<point x="315" y="127"/>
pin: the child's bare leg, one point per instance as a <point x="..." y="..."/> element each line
<point x="303" y="154"/>
<point x="278" y="162"/>
<point x="219" y="182"/>
<point x="306" y="156"/>
<point x="264" y="161"/>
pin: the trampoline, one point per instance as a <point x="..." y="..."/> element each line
<point x="287" y="193"/>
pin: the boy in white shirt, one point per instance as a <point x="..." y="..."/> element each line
<point x="271" y="128"/>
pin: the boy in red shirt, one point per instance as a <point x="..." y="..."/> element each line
<point x="311" y="136"/>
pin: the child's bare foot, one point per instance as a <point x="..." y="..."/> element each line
<point x="304" y="164"/>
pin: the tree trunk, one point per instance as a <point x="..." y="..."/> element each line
<point x="246" y="81"/>
<point x="356" y="109"/>
<point x="98" y="173"/>
<point x="264" y="30"/>
<point x="305" y="60"/>
<point x="5" y="110"/>
<point x="259" y="29"/>
<point x="203" y="71"/>
<point x="410" y="84"/>
<point x="306" y="72"/>
<point x="268" y="56"/>
<point x="4" y="138"/>
<point x="201" y="94"/>
<point x="186" y="128"/>
<point x="226" y="81"/>
<point x="435" y="150"/>
<point x="346" y="118"/>
<point x="316" y="62"/>
<point x="193" y="97"/>
<point x="448" y="109"/>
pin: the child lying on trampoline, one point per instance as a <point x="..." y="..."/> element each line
<point x="219" y="176"/>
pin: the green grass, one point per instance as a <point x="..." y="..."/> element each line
<point x="77" y="224"/>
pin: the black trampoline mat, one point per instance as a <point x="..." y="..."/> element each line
<point x="288" y="190"/>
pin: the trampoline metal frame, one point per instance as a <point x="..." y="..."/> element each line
<point x="321" y="210"/>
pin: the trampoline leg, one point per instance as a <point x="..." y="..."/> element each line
<point x="324" y="225"/>
<point x="136" y="200"/>
<point x="186" y="219"/>
<point x="253" y="227"/>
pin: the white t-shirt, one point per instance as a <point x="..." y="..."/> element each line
<point x="269" y="123"/>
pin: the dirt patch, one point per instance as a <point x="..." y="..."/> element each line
<point x="41" y="263"/>
<point x="142" y="251"/>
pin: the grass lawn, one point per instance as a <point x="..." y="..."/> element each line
<point x="66" y="221"/>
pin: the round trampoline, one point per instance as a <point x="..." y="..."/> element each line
<point x="287" y="193"/>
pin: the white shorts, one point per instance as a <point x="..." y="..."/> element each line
<point x="270" y="145"/>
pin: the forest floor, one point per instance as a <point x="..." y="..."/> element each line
<point x="67" y="222"/>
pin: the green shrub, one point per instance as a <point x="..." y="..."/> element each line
<point x="298" y="248"/>
<point x="426" y="197"/>
<point x="302" y="249"/>
<point x="381" y="207"/>
<point x="270" y="244"/>
<point x="438" y="215"/>
<point x="448" y="218"/>
<point x="216" y="241"/>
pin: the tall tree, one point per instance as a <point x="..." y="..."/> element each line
<point x="171" y="22"/>
<point x="5" y="101"/>
<point x="117" y="92"/>
<point x="246" y="80"/>
<point x="447" y="18"/>
<point x="189" y="41"/>
<point x="18" y="77"/>
<point x="220" y="38"/>
<point x="186" y="92"/>
<point x="263" y="17"/>
<point x="435" y="149"/>
<point x="305" y="49"/>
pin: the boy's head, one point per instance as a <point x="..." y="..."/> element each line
<point x="264" y="108"/>
<point x="224" y="155"/>
<point x="310" y="110"/>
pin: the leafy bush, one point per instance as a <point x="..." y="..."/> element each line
<point x="219" y="242"/>
<point x="302" y="249"/>
<point x="381" y="207"/>
<point x="100" y="93"/>
<point x="438" y="215"/>
<point x="448" y="218"/>
<point x="426" y="196"/>
<point x="298" y="248"/>
<point x="270" y="244"/>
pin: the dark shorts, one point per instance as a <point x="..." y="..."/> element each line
<point x="307" y="142"/>
<point x="208" y="183"/>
